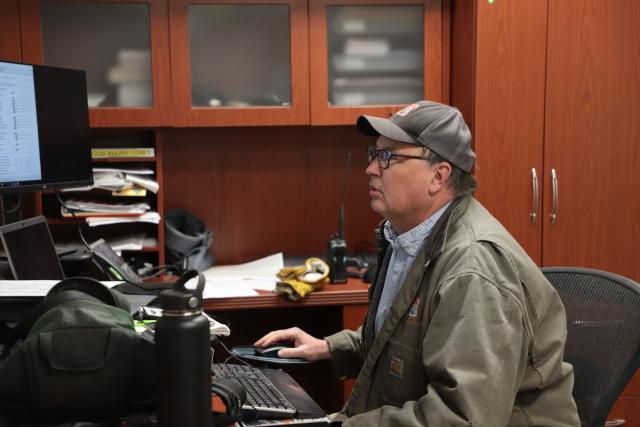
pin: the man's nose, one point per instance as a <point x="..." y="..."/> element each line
<point x="373" y="168"/>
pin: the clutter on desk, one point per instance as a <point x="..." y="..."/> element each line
<point x="187" y="240"/>
<point x="76" y="355"/>
<point x="260" y="274"/>
<point x="297" y="282"/>
<point x="152" y="314"/>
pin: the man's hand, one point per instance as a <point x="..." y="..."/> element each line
<point x="305" y="346"/>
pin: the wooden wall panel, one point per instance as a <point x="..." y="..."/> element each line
<point x="509" y="113"/>
<point x="10" y="31"/>
<point x="269" y="189"/>
<point x="593" y="134"/>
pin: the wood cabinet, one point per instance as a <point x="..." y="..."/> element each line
<point x="9" y="31"/>
<point x="567" y="104"/>
<point x="204" y="63"/>
<point x="373" y="56"/>
<point x="122" y="44"/>
<point x="239" y="62"/>
<point x="552" y="86"/>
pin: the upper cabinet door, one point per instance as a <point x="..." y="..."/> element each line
<point x="123" y="45"/>
<point x="10" y="31"/>
<point x="239" y="62"/>
<point x="373" y="56"/>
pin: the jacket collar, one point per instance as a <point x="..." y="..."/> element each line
<point x="438" y="237"/>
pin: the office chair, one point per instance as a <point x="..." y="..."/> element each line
<point x="603" y="340"/>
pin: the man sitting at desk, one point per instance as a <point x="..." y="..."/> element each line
<point x="462" y="328"/>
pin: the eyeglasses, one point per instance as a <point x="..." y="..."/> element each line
<point x="385" y="156"/>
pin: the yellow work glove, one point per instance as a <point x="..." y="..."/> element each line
<point x="297" y="282"/>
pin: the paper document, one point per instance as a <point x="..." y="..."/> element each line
<point x="34" y="288"/>
<point x="119" y="179"/>
<point x="258" y="274"/>
<point x="150" y="216"/>
<point x="135" y="171"/>
<point x="133" y="242"/>
<point x="227" y="289"/>
<point x="88" y="206"/>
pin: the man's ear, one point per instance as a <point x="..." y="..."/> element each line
<point x="441" y="176"/>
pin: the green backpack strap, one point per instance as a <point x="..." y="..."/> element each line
<point x="65" y="290"/>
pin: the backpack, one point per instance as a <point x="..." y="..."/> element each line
<point x="76" y="355"/>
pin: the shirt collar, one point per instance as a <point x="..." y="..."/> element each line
<point x="411" y="241"/>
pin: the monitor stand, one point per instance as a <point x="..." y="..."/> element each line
<point x="11" y="208"/>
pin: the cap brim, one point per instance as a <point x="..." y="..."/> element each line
<point x="375" y="126"/>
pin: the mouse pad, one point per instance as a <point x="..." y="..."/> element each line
<point x="247" y="352"/>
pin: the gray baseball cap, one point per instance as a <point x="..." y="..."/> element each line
<point x="438" y="127"/>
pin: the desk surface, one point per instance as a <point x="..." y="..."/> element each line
<point x="353" y="292"/>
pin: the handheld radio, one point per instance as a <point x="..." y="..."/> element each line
<point x="337" y="247"/>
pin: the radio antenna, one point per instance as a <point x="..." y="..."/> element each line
<point x="342" y="197"/>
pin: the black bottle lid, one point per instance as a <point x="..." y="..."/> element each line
<point x="178" y="300"/>
<point x="181" y="299"/>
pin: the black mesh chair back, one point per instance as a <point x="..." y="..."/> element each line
<point x="603" y="341"/>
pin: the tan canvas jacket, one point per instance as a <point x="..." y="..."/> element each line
<point x="475" y="337"/>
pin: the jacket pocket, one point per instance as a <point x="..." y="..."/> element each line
<point x="402" y="373"/>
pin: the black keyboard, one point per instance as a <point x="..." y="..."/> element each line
<point x="262" y="395"/>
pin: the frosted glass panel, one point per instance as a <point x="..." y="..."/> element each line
<point x="110" y="41"/>
<point x="240" y="55"/>
<point x="376" y="54"/>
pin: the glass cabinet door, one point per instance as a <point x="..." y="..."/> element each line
<point x="113" y="42"/>
<point x="371" y="57"/>
<point x="239" y="62"/>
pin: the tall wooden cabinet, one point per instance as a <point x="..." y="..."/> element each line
<point x="553" y="93"/>
<point x="566" y="106"/>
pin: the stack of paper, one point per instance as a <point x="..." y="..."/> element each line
<point x="132" y="75"/>
<point x="243" y="279"/>
<point x="150" y="216"/>
<point x="121" y="180"/>
<point x="133" y="242"/>
<point x="84" y="208"/>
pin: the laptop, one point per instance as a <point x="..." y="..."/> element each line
<point x="30" y="250"/>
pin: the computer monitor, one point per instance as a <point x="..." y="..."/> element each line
<point x="30" y="250"/>
<point x="44" y="128"/>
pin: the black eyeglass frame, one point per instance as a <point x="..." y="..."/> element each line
<point x="384" y="157"/>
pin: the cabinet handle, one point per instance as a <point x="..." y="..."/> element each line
<point x="534" y="210"/>
<point x="554" y="195"/>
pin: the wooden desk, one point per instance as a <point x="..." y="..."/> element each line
<point x="322" y="313"/>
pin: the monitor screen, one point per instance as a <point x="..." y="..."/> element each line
<point x="44" y="128"/>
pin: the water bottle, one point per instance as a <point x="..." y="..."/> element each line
<point x="183" y="358"/>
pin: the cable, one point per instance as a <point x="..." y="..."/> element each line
<point x="13" y="209"/>
<point x="231" y="355"/>
<point x="160" y="269"/>
<point x="73" y="215"/>
<point x="97" y="259"/>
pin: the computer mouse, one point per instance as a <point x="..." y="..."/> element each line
<point x="272" y="350"/>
